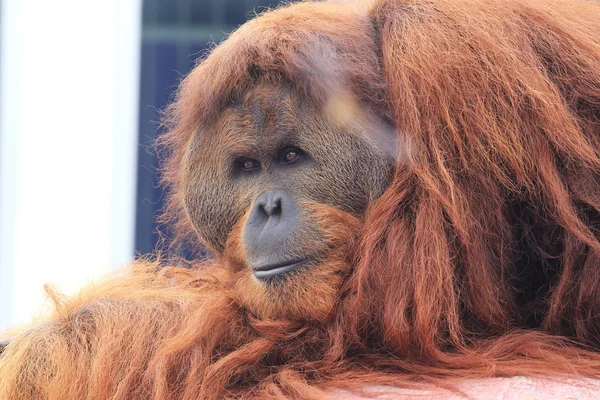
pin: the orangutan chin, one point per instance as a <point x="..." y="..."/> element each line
<point x="393" y="190"/>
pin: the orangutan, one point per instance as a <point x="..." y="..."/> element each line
<point x="393" y="191"/>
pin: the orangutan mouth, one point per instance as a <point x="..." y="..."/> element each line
<point x="278" y="269"/>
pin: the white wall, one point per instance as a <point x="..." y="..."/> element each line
<point x="69" y="77"/>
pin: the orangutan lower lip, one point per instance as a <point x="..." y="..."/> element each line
<point x="271" y="270"/>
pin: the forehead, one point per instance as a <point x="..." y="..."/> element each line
<point x="265" y="101"/>
<point x="266" y="111"/>
<point x="262" y="117"/>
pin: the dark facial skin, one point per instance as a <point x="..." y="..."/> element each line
<point x="266" y="159"/>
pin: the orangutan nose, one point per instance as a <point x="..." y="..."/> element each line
<point x="270" y="202"/>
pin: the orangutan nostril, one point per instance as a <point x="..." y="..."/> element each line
<point x="271" y="205"/>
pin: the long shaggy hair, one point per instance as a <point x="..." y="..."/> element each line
<point x="482" y="257"/>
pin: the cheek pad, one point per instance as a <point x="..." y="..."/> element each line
<point x="213" y="205"/>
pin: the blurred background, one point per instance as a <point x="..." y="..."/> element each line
<point x="81" y="86"/>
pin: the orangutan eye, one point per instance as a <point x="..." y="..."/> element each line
<point x="291" y="155"/>
<point x="248" y="165"/>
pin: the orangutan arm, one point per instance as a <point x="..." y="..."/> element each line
<point x="128" y="338"/>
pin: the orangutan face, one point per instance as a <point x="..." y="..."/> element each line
<point x="278" y="188"/>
